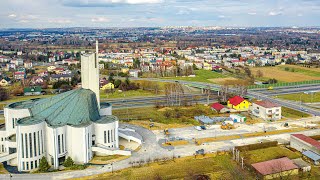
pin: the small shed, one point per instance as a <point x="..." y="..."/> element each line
<point x="303" y="166"/>
<point x="238" y="118"/>
<point x="314" y="157"/>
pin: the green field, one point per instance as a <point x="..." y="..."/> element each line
<point x="126" y="94"/>
<point x="201" y="76"/>
<point x="270" y="153"/>
<point x="301" y="70"/>
<point x="218" y="167"/>
<point x="306" y="98"/>
<point x="294" y="114"/>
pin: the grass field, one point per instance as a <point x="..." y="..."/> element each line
<point x="126" y="94"/>
<point x="293" y="114"/>
<point x="174" y="115"/>
<point x="306" y="98"/>
<point x="270" y="153"/>
<point x="279" y="73"/>
<point x="107" y="159"/>
<point x="201" y="76"/>
<point x="216" y="167"/>
<point x="301" y="70"/>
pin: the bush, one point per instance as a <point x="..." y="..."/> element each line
<point x="43" y="166"/>
<point x="4" y="94"/>
<point x="68" y="162"/>
<point x="263" y="145"/>
<point x="78" y="167"/>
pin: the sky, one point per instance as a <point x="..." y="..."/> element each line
<point x="154" y="13"/>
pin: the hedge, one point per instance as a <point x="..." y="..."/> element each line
<point x="251" y="147"/>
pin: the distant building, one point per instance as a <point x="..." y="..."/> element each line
<point x="276" y="168"/>
<point x="134" y="73"/>
<point x="266" y="110"/>
<point x="19" y="75"/>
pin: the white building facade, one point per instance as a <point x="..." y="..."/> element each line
<point x="266" y="110"/>
<point x="72" y="124"/>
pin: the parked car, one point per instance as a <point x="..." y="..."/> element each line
<point x="198" y="128"/>
<point x="203" y="127"/>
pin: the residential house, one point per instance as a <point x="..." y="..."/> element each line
<point x="32" y="91"/>
<point x="134" y="73"/>
<point x="19" y="75"/>
<point x="266" y="110"/>
<point x="28" y="64"/>
<point x="4" y="82"/>
<point x="275" y="168"/>
<point x="107" y="86"/>
<point x="51" y="68"/>
<point x="60" y="77"/>
<point x="238" y="103"/>
<point x="218" y="107"/>
<point x="36" y="80"/>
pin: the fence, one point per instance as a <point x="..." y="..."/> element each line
<point x="262" y="86"/>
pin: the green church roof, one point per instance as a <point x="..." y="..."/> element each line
<point x="75" y="108"/>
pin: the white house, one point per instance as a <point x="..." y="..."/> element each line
<point x="266" y="110"/>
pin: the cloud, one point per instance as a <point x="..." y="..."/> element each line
<point x="12" y="15"/>
<point x="100" y="19"/>
<point x="275" y="13"/>
<point x="99" y="3"/>
<point x="23" y="21"/>
<point x="222" y="16"/>
<point x="252" y="13"/>
<point x="300" y="15"/>
<point x="60" y="21"/>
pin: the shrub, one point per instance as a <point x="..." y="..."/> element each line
<point x="43" y="166"/>
<point x="68" y="162"/>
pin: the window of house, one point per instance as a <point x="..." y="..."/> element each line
<point x="36" y="163"/>
<point x="27" y="163"/>
<point x="30" y="144"/>
<point x="62" y="143"/>
<point x="31" y="165"/>
<point x="38" y="143"/>
<point x="105" y="137"/>
<point x="22" y="147"/>
<point x="59" y="144"/>
<point x="35" y="144"/>
<point x="26" y="143"/>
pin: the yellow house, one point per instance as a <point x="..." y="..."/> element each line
<point x="238" y="103"/>
<point x="51" y="68"/>
<point x="4" y="82"/>
<point x="125" y="70"/>
<point x="207" y="66"/>
<point x="107" y="86"/>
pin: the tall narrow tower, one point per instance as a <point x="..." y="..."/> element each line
<point x="90" y="72"/>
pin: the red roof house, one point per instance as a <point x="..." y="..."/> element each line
<point x="275" y="166"/>
<point x="235" y="100"/>
<point x="217" y="106"/>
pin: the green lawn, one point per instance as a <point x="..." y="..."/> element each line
<point x="306" y="98"/>
<point x="174" y="115"/>
<point x="270" y="153"/>
<point x="294" y="114"/>
<point x="126" y="94"/>
<point x="201" y="76"/>
<point x="218" y="167"/>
